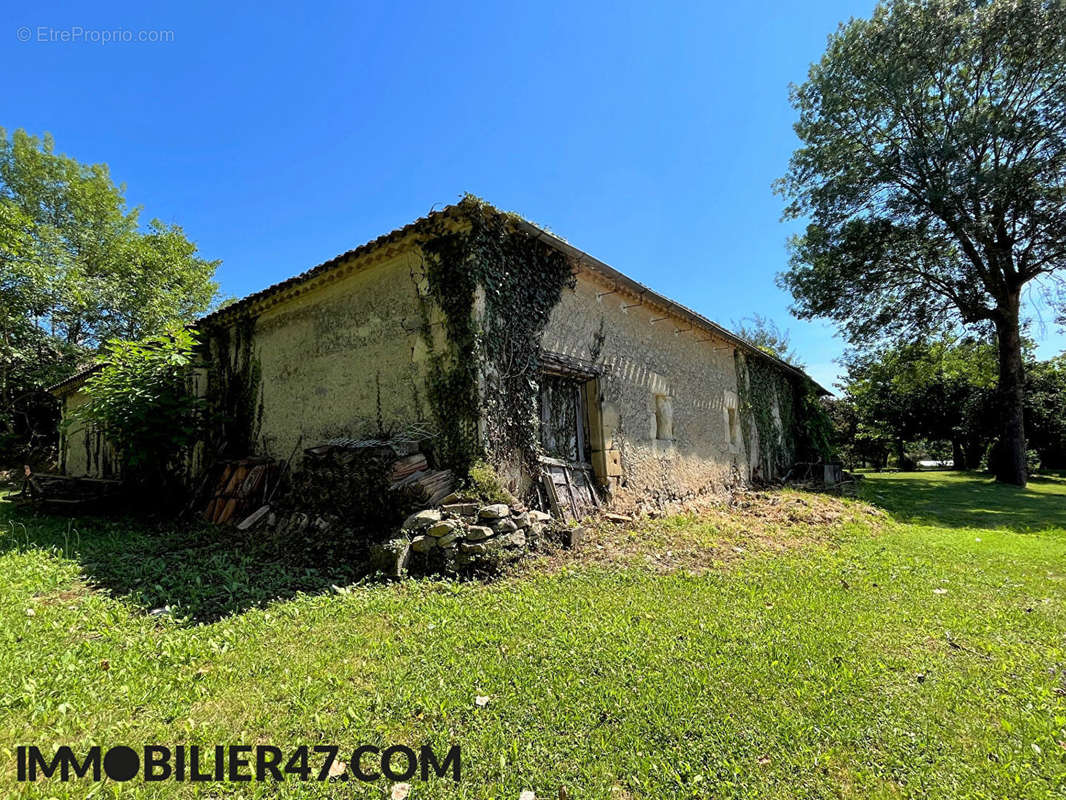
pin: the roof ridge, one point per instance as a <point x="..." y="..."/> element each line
<point x="320" y="269"/>
<point x="553" y="239"/>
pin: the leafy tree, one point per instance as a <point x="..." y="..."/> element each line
<point x="1045" y="411"/>
<point x="933" y="173"/>
<point x="854" y="441"/>
<point x="765" y="334"/>
<point x="937" y="390"/>
<point x="144" y="402"/>
<point x="76" y="269"/>
<point x="881" y="389"/>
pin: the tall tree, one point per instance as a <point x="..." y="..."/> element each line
<point x="77" y="269"/>
<point x="933" y="172"/>
<point x="765" y="334"/>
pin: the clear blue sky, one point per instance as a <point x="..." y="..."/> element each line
<point x="646" y="134"/>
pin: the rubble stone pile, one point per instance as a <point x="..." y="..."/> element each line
<point x="461" y="536"/>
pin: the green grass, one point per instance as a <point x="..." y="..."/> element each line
<point x="919" y="654"/>
<point x="970" y="500"/>
<point x="198" y="572"/>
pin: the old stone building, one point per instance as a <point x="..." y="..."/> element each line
<point x="495" y="338"/>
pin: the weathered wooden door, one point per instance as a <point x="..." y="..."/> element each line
<point x="564" y="435"/>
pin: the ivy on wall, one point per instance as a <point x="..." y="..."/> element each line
<point x="801" y="431"/>
<point x="483" y="383"/>
<point x="762" y="388"/>
<point x="814" y="427"/>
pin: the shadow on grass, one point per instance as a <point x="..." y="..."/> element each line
<point x="970" y="500"/>
<point x="201" y="572"/>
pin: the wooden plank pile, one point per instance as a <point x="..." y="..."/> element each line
<point x="356" y="476"/>
<point x="412" y="474"/>
<point x="63" y="491"/>
<point x="243" y="485"/>
<point x="364" y="482"/>
<point x="407" y="472"/>
<point x="407" y="466"/>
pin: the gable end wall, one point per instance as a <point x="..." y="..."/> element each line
<point x="655" y="366"/>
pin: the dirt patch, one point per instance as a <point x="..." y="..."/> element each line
<point x="716" y="532"/>
<point x="65" y="597"/>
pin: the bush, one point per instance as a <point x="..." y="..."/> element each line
<point x="143" y="402"/>
<point x="486" y="485"/>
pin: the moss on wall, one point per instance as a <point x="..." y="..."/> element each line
<point x="83" y="451"/>
<point x="234" y="392"/>
<point x="342" y="358"/>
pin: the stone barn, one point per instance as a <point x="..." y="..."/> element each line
<point x="496" y="340"/>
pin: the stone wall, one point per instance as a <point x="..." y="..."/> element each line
<point x="461" y="537"/>
<point x="665" y="394"/>
<point x="344" y="357"/>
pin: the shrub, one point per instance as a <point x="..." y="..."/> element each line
<point x="143" y="402"/>
<point x="486" y="485"/>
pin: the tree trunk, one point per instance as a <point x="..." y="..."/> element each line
<point x="958" y="455"/>
<point x="1010" y="461"/>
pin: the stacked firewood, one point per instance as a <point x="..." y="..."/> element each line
<point x="366" y="482"/>
<point x="368" y="477"/>
<point x="242" y="486"/>
<point x="404" y="468"/>
<point x="411" y="474"/>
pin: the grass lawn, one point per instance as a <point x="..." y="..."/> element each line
<point x="790" y="646"/>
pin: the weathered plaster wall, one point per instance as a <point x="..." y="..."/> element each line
<point x="665" y="395"/>
<point x="344" y="356"/>
<point x="83" y="451"/>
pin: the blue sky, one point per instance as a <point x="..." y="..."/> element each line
<point x="646" y="134"/>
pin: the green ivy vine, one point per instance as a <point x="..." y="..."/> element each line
<point x="804" y="432"/>
<point x="760" y="387"/>
<point x="522" y="279"/>
<point x="815" y="434"/>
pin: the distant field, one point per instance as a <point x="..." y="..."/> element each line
<point x="790" y="646"/>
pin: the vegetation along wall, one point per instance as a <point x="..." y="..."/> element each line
<point x="343" y="357"/>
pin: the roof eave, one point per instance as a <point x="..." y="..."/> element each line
<point x="694" y="318"/>
<point x="73" y="382"/>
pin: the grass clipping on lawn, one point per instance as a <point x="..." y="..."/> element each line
<point x="713" y="533"/>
